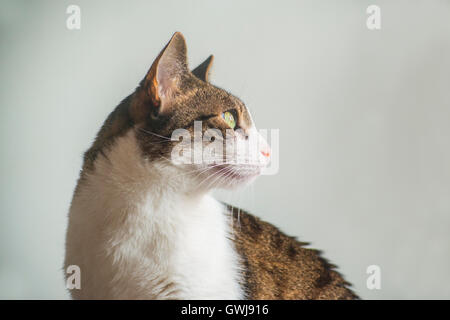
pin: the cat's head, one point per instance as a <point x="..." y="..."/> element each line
<point x="204" y="132"/>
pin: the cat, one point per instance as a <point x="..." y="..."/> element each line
<point x="142" y="226"/>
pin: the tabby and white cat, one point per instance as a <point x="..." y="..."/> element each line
<point x="142" y="226"/>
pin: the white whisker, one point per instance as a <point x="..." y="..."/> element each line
<point x="155" y="134"/>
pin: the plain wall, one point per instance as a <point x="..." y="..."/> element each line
<point x="363" y="118"/>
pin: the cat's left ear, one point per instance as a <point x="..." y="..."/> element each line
<point x="164" y="77"/>
<point x="203" y="70"/>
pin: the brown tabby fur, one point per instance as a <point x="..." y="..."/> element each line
<point x="276" y="266"/>
<point x="280" y="267"/>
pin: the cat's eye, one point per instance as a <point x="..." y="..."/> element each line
<point x="229" y="119"/>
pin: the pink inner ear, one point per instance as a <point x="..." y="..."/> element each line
<point x="166" y="84"/>
<point x="169" y="73"/>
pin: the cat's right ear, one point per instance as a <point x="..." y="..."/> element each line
<point x="203" y="70"/>
<point x="163" y="79"/>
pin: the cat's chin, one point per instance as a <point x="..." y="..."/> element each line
<point x="216" y="176"/>
<point x="238" y="183"/>
<point x="229" y="177"/>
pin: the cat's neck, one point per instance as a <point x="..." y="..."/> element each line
<point x="127" y="176"/>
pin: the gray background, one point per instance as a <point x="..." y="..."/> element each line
<point x="363" y="118"/>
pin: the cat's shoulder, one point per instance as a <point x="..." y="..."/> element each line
<point x="278" y="266"/>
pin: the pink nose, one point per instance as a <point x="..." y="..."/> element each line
<point x="265" y="153"/>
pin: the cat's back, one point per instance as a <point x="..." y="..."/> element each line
<point x="277" y="266"/>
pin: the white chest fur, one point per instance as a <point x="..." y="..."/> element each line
<point x="135" y="237"/>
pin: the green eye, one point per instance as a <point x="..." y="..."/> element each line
<point x="229" y="119"/>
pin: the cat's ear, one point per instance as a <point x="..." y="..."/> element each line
<point x="203" y="70"/>
<point x="164" y="77"/>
